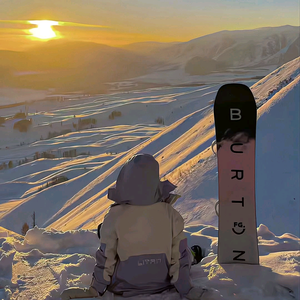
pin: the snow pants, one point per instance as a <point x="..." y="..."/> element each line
<point x="75" y="292"/>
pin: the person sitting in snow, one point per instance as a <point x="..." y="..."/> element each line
<point x="143" y="249"/>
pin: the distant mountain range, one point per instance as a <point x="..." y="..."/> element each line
<point x="240" y="48"/>
<point x="69" y="65"/>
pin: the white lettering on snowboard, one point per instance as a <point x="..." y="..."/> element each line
<point x="235" y="114"/>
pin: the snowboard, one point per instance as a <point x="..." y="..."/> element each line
<point x="235" y="114"/>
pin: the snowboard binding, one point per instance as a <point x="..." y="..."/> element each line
<point x="198" y="254"/>
<point x="98" y="230"/>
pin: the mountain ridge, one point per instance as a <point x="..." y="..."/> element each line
<point x="73" y="65"/>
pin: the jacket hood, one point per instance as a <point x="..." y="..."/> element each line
<point x="138" y="182"/>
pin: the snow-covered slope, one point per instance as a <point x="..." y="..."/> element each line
<point x="239" y="48"/>
<point x="51" y="259"/>
<point x="81" y="201"/>
<point x="292" y="52"/>
<point x="277" y="159"/>
<point x="225" y="55"/>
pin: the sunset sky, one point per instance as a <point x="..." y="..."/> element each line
<point x="119" y="22"/>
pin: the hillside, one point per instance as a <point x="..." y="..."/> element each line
<point x="59" y="251"/>
<point x="239" y="48"/>
<point x="225" y="56"/>
<point x="185" y="141"/>
<point x="70" y="66"/>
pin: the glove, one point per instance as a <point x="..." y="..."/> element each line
<point x="197" y="293"/>
<point x="74" y="292"/>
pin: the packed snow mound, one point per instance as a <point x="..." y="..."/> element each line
<point x="48" y="261"/>
<point x="57" y="241"/>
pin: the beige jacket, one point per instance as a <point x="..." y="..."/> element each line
<point x="143" y="249"/>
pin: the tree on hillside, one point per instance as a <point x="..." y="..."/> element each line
<point x="25" y="228"/>
<point x="20" y="115"/>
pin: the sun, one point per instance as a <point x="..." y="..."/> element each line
<point x="43" y="30"/>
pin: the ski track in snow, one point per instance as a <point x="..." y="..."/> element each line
<point x="48" y="260"/>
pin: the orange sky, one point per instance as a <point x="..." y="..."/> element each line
<point x="119" y="22"/>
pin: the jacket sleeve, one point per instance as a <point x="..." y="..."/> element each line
<point x="106" y="255"/>
<point x="180" y="257"/>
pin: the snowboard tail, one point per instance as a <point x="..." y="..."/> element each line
<point x="235" y="115"/>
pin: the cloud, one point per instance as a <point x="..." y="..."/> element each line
<point x="82" y="25"/>
<point x="25" y="23"/>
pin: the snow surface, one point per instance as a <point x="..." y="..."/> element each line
<point x="60" y="252"/>
<point x="17" y="95"/>
<point x="47" y="262"/>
